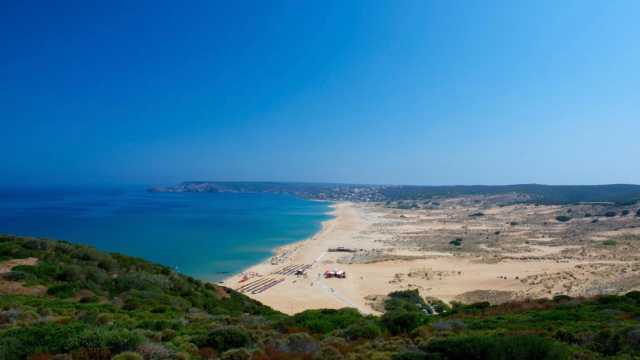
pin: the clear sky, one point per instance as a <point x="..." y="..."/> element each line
<point x="401" y="92"/>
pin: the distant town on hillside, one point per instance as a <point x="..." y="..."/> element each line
<point x="619" y="194"/>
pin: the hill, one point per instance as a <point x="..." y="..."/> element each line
<point x="529" y="193"/>
<point x="67" y="301"/>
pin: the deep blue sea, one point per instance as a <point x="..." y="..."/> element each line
<point x="208" y="235"/>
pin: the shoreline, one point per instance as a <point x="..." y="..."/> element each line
<point x="285" y="247"/>
<point x="294" y="294"/>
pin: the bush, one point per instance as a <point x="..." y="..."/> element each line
<point x="402" y="321"/>
<point x="15" y="276"/>
<point x="155" y="351"/>
<point x="35" y="244"/>
<point x="128" y="355"/>
<point x="609" y="242"/>
<point x="301" y="343"/>
<point x="410" y="296"/>
<point x="497" y="347"/>
<point x="638" y="213"/>
<point x="229" y="337"/>
<point x="610" y="214"/>
<point x="327" y="353"/>
<point x="236" y="354"/>
<point x="46" y="337"/>
<point x="456" y="242"/>
<point x="635" y="295"/>
<point x="367" y="329"/>
<point x="478" y="306"/>
<point x="325" y="320"/>
<point x="449" y="325"/>
<point x="62" y="291"/>
<point x="625" y="212"/>
<point x="118" y="340"/>
<point x="409" y="355"/>
<point x="563" y="218"/>
<point x="561" y="298"/>
<point x="142" y="281"/>
<point x="607" y="342"/>
<point x="11" y="348"/>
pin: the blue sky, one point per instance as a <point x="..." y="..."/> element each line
<point x="401" y="92"/>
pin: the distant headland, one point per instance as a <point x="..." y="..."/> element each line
<point x="521" y="193"/>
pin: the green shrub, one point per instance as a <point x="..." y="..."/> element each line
<point x="610" y="214"/>
<point x="456" y="242"/>
<point x="498" y="347"/>
<point x="325" y="320"/>
<point x="327" y="353"/>
<point x="561" y="298"/>
<point x="408" y="296"/>
<point x="128" y="355"/>
<point x="14" y="275"/>
<point x="11" y="348"/>
<point x="71" y="273"/>
<point x="455" y="325"/>
<point x="155" y="351"/>
<point x="635" y="295"/>
<point x="229" y="337"/>
<point x="300" y="343"/>
<point x="63" y="291"/>
<point x="142" y="281"/>
<point x="563" y="218"/>
<point x="402" y="321"/>
<point x="409" y="355"/>
<point x="117" y="340"/>
<point x="236" y="354"/>
<point x="42" y="270"/>
<point x="607" y="342"/>
<point x="478" y="306"/>
<point x="367" y="329"/>
<point x="439" y="306"/>
<point x="45" y="337"/>
<point x="609" y="242"/>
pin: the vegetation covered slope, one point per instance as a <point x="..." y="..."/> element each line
<point x="536" y="193"/>
<point x="72" y="302"/>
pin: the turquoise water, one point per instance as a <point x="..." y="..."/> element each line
<point x="208" y="236"/>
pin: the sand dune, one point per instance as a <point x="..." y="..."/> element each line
<point x="410" y="249"/>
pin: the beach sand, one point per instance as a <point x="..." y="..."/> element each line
<point x="409" y="249"/>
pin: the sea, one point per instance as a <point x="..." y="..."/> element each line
<point x="206" y="235"/>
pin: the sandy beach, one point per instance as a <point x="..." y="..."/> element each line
<point x="509" y="253"/>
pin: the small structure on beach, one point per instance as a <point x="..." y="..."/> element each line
<point x="340" y="274"/>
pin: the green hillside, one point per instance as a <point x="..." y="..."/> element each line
<point x="65" y="301"/>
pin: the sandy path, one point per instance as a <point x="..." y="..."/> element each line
<point x="6" y="266"/>
<point x="16" y="287"/>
